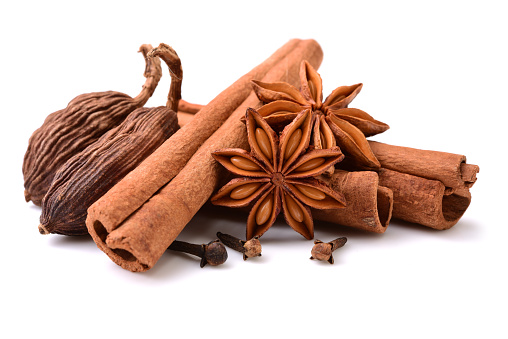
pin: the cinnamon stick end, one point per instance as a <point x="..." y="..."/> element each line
<point x="468" y="173"/>
<point x="384" y="205"/>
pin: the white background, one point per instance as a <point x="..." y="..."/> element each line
<point x="435" y="71"/>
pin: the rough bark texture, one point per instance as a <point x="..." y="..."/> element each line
<point x="368" y="205"/>
<point x="424" y="201"/>
<point x="451" y="169"/>
<point x="137" y="242"/>
<point x="158" y="169"/>
<point x="69" y="131"/>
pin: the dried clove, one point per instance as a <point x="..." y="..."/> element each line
<point x="214" y="253"/>
<point x="323" y="251"/>
<point x="250" y="248"/>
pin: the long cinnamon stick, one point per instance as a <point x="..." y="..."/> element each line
<point x="184" y="118"/>
<point x="137" y="241"/>
<point x="160" y="167"/>
<point x="424" y="201"/>
<point x="189" y="107"/>
<point x="369" y="205"/>
<point x="451" y="169"/>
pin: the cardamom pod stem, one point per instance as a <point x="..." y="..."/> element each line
<point x="170" y="57"/>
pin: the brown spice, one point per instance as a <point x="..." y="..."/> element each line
<point x="324" y="251"/>
<point x="67" y="132"/>
<point x="451" y="169"/>
<point x="187" y="111"/>
<point x="169" y="56"/>
<point x="188" y="107"/>
<point x="334" y="124"/>
<point x="424" y="201"/>
<point x="214" y="253"/>
<point x="278" y="175"/>
<point x="250" y="248"/>
<point x="89" y="174"/>
<point x="137" y="242"/>
<point x="369" y="205"/>
<point x="157" y="170"/>
<point x="429" y="188"/>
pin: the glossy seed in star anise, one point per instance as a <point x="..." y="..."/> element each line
<point x="278" y="174"/>
<point x="334" y="125"/>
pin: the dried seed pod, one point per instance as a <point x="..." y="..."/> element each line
<point x="67" y="132"/>
<point x="282" y="182"/>
<point x="88" y="175"/>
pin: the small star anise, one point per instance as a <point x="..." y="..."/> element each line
<point x="277" y="174"/>
<point x="335" y="123"/>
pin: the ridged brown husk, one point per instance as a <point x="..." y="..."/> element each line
<point x="90" y="174"/>
<point x="67" y="132"/>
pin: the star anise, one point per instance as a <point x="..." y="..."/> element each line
<point x="334" y="124"/>
<point x="278" y="174"/>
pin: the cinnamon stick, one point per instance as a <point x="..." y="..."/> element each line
<point x="187" y="111"/>
<point x="137" y="240"/>
<point x="162" y="165"/>
<point x="368" y="205"/>
<point x="424" y="201"/>
<point x="188" y="107"/>
<point x="451" y="169"/>
<point x="184" y="118"/>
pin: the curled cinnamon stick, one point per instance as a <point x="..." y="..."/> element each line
<point x="187" y="111"/>
<point x="368" y="205"/>
<point x="159" y="168"/>
<point x="188" y="107"/>
<point x="184" y="118"/>
<point x="451" y="169"/>
<point x="136" y="240"/>
<point x="424" y="201"/>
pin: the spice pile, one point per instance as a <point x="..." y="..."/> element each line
<point x="133" y="177"/>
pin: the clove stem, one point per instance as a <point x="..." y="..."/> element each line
<point x="214" y="253"/>
<point x="250" y="248"/>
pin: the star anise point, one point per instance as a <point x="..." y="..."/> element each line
<point x="276" y="175"/>
<point x="282" y="101"/>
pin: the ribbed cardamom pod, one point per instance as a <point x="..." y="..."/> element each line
<point x="69" y="131"/>
<point x="90" y="174"/>
<point x="87" y="176"/>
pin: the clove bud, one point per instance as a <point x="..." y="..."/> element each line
<point x="214" y="253"/>
<point x="324" y="251"/>
<point x="250" y="248"/>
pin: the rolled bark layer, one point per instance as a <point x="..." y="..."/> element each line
<point x="159" y="168"/>
<point x="451" y="169"/>
<point x="424" y="201"/>
<point x="368" y="205"/>
<point x="135" y="228"/>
